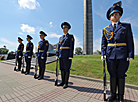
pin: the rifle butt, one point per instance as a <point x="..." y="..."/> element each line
<point x="56" y="81"/>
<point x="35" y="75"/>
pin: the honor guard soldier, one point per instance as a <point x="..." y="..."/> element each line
<point x="28" y="54"/>
<point x="118" y="46"/>
<point x="42" y="54"/>
<point x="65" y="54"/>
<point x="19" y="53"/>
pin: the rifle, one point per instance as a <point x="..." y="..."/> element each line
<point x="23" y="66"/>
<point x="57" y="73"/>
<point x="104" y="79"/>
<point x="35" y="75"/>
<point x="104" y="76"/>
<point x="15" y="63"/>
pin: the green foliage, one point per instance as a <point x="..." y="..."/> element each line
<point x="78" y="50"/>
<point x="92" y="66"/>
<point x="3" y="51"/>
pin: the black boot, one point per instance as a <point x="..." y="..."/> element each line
<point x="66" y="80"/>
<point x="121" y="86"/>
<point x="112" y="89"/>
<point x="28" y="71"/>
<point x="41" y="74"/>
<point x="19" y="67"/>
<point x="63" y="79"/>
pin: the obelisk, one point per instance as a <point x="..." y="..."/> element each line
<point x="87" y="27"/>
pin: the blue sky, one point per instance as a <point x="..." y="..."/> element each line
<point x="23" y="17"/>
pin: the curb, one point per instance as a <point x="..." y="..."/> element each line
<point x="96" y="80"/>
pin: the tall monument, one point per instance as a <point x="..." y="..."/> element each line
<point x="87" y="27"/>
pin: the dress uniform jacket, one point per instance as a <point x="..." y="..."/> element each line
<point x="42" y="52"/>
<point x="42" y="48"/>
<point x="20" y="50"/>
<point x="20" y="53"/>
<point x="118" y="44"/>
<point x="29" y="49"/>
<point x="66" y="46"/>
<point x="65" y="50"/>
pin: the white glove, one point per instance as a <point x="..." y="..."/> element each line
<point x="19" y="56"/>
<point x="29" y="56"/>
<point x="57" y="57"/>
<point x="103" y="58"/>
<point x="129" y="59"/>
<point x="42" y="57"/>
<point x="70" y="57"/>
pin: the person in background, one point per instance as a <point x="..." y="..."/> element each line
<point x="19" y="53"/>
<point x="65" y="54"/>
<point x="42" y="54"/>
<point x="28" y="54"/>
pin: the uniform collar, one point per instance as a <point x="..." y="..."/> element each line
<point x="115" y="23"/>
<point x="66" y="34"/>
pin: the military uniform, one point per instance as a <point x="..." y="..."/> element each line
<point x="42" y="55"/>
<point x="65" y="55"/>
<point x="19" y="54"/>
<point x="117" y="45"/>
<point x="28" y="55"/>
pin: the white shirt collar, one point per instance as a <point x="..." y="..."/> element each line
<point x="115" y="23"/>
<point x="65" y="34"/>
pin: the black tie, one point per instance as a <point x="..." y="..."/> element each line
<point x="114" y="26"/>
<point x="63" y="36"/>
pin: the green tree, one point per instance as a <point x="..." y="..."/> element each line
<point x="3" y="51"/>
<point x="78" y="50"/>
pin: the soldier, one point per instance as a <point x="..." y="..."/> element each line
<point x="42" y="54"/>
<point x="65" y="53"/>
<point x="19" y="53"/>
<point x="28" y="54"/>
<point x="118" y="46"/>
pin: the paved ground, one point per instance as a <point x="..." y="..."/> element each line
<point x="33" y="61"/>
<point x="16" y="87"/>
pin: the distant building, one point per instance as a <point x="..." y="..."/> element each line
<point x="87" y="27"/>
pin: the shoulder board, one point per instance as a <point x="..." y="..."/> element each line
<point x="45" y="40"/>
<point x="106" y="27"/>
<point x="71" y="35"/>
<point x="125" y="23"/>
<point x="59" y="38"/>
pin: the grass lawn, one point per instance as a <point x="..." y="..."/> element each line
<point x="91" y="66"/>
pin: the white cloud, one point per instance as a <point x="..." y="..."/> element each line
<point x="21" y="33"/>
<point x="97" y="45"/>
<point x="30" y="4"/>
<point x="28" y="29"/>
<point x="50" y="24"/>
<point x="9" y="44"/>
<point x="77" y="42"/>
<point x="53" y="35"/>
